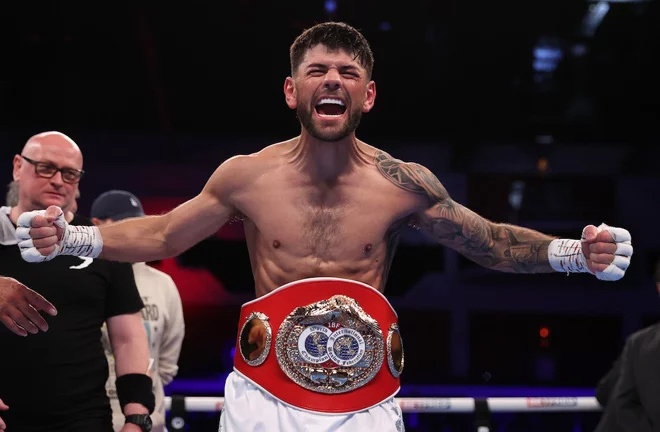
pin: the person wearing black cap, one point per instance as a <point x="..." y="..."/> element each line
<point x="630" y="390"/>
<point x="116" y="205"/>
<point x="162" y="313"/>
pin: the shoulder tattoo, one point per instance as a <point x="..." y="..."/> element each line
<point x="410" y="176"/>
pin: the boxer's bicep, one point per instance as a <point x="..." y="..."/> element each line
<point x="204" y="214"/>
<point x="458" y="227"/>
<point x="193" y="221"/>
<point x="155" y="237"/>
<point x="494" y="245"/>
<point x="440" y="216"/>
<point x="447" y="221"/>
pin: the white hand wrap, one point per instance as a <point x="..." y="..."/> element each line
<point x="566" y="255"/>
<point x="77" y="240"/>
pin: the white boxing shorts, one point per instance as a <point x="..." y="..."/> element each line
<point x="243" y="400"/>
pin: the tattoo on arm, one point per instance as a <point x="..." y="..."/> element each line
<point x="410" y="176"/>
<point x="498" y="246"/>
<point x="516" y="249"/>
<point x="501" y="247"/>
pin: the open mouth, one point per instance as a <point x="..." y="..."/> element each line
<point x="330" y="107"/>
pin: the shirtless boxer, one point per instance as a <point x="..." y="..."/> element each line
<point x="324" y="205"/>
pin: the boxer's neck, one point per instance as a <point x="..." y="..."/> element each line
<point x="327" y="160"/>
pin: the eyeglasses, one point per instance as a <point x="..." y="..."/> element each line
<point x="48" y="170"/>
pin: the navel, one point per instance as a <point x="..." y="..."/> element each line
<point x="367" y="248"/>
<point x="276" y="244"/>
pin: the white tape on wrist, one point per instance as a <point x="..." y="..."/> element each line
<point x="82" y="241"/>
<point x="566" y="256"/>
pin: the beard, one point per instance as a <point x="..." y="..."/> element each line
<point x="305" y="116"/>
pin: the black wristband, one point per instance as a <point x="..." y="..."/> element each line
<point x="135" y="388"/>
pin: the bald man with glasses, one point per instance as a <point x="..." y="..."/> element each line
<point x="55" y="381"/>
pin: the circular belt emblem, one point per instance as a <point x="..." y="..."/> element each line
<point x="394" y="350"/>
<point x="312" y="344"/>
<point x="255" y="339"/>
<point x="331" y="346"/>
<point x="346" y="347"/>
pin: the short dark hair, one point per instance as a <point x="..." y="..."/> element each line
<point x="335" y="36"/>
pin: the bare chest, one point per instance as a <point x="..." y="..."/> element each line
<point x="332" y="225"/>
<point x="327" y="230"/>
<point x="324" y="228"/>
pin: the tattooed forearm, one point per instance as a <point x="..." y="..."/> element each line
<point x="500" y="247"/>
<point x="410" y="176"/>
<point x="520" y="250"/>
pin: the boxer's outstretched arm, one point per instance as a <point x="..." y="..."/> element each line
<point x="156" y="237"/>
<point x="152" y="238"/>
<point x="603" y="251"/>
<point x="498" y="246"/>
<point x="44" y="235"/>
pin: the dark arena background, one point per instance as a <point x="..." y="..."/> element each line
<point x="543" y="114"/>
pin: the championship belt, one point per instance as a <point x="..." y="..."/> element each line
<point x="321" y="344"/>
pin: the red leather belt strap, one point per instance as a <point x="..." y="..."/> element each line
<point x="381" y="384"/>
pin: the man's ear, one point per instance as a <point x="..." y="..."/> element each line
<point x="97" y="221"/>
<point x="17" y="162"/>
<point x="370" y="98"/>
<point x="290" y="93"/>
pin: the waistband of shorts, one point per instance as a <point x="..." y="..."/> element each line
<point x="328" y="345"/>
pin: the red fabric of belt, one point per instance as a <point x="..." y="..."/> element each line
<point x="277" y="305"/>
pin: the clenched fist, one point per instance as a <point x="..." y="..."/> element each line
<point x="40" y="233"/>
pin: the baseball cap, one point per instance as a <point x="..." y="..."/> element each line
<point x="116" y="205"/>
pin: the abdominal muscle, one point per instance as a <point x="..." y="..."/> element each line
<point x="272" y="269"/>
